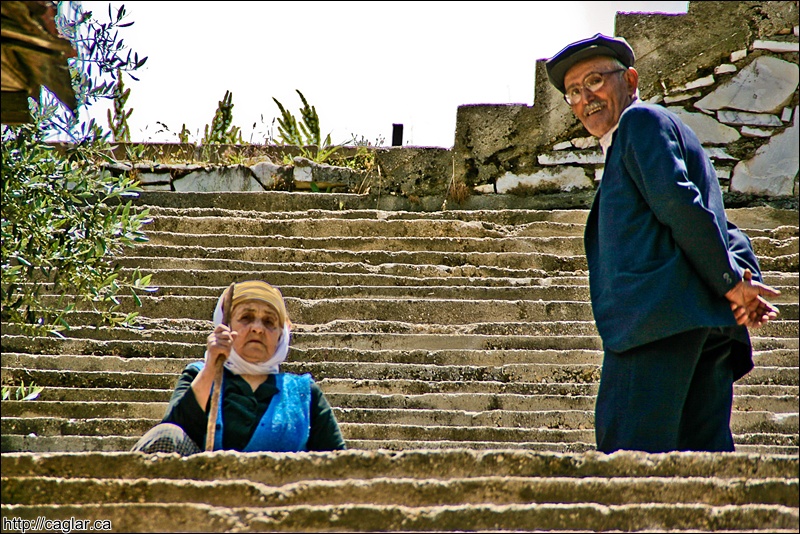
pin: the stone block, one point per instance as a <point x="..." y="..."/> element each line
<point x="764" y="86"/>
<point x="271" y="176"/>
<point x="708" y="129"/>
<point x="492" y="139"/>
<point x="150" y="179"/>
<point x="325" y="176"/>
<point x="738" y="55"/>
<point x="233" y="178"/>
<point x="700" y="82"/>
<point x="581" y="157"/>
<point x="746" y="118"/>
<point x="585" y="142"/>
<point x="715" y="152"/>
<point x="681" y="97"/>
<point x="748" y="131"/>
<point x="562" y="178"/>
<point x="778" y="47"/>
<point x="562" y="146"/>
<point x="773" y="168"/>
<point x="723" y="173"/>
<point x="672" y="49"/>
<point x="415" y="171"/>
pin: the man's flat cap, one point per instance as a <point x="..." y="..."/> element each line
<point x="599" y="45"/>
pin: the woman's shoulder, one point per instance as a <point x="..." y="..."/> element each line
<point x="297" y="376"/>
<point x="195" y="367"/>
<point x="316" y="391"/>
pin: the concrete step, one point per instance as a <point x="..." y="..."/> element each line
<point x="318" y="227"/>
<point x="279" y="202"/>
<point x="335" y="274"/>
<point x="86" y="362"/>
<point x="545" y="241"/>
<point x="34" y="428"/>
<point x="457" y="349"/>
<point x="343" y="274"/>
<point x="412" y="309"/>
<point x="550" y="373"/>
<point x="277" y="469"/>
<point x="548" y="261"/>
<point x="85" y="444"/>
<point x="312" y="292"/>
<point x="501" y="435"/>
<point x="497" y="490"/>
<point x="219" y="205"/>
<point x="413" y="394"/>
<point x="541" y="446"/>
<point x="549" y="292"/>
<point x="774" y="335"/>
<point x="209" y="258"/>
<point x="742" y="422"/>
<point x="403" y="263"/>
<point x="268" y="265"/>
<point x="496" y="216"/>
<point x="175" y="337"/>
<point x="372" y="518"/>
<point x="512" y="373"/>
<point x="550" y="243"/>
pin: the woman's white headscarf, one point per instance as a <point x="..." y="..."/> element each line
<point x="239" y="366"/>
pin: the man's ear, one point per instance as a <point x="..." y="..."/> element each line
<point x="632" y="79"/>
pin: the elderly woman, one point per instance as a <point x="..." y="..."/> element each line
<point x="260" y="408"/>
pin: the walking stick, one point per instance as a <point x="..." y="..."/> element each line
<point x="211" y="428"/>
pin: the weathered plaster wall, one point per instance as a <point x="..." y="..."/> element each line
<point x="674" y="49"/>
<point x="681" y="59"/>
<point x="729" y="69"/>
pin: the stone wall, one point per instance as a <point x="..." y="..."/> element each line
<point x="729" y="69"/>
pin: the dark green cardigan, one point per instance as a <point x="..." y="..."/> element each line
<point x="242" y="409"/>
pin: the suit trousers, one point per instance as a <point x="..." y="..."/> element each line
<point x="673" y="394"/>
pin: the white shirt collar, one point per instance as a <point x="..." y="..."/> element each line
<point x="605" y="141"/>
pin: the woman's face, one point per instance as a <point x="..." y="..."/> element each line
<point x="258" y="330"/>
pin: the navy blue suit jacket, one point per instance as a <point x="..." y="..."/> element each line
<point x="660" y="249"/>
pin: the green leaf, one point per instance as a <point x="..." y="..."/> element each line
<point x="34" y="392"/>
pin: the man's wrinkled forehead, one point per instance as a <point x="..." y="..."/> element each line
<point x="576" y="73"/>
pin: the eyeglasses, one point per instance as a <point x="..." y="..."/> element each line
<point x="592" y="82"/>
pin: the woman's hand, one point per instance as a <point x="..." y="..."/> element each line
<point x="218" y="348"/>
<point x="219" y="343"/>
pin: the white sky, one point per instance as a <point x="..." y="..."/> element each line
<point x="362" y="65"/>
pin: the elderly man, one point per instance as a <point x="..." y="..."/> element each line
<point x="673" y="284"/>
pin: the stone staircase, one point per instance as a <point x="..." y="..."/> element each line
<point x="459" y="353"/>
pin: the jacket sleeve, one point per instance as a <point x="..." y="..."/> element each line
<point x="657" y="162"/>
<point x="184" y="411"/>
<point x="325" y="434"/>
<point x="741" y="249"/>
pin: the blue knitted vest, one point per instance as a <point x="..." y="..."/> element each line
<point x="286" y="424"/>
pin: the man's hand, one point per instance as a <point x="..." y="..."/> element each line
<point x="748" y="304"/>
